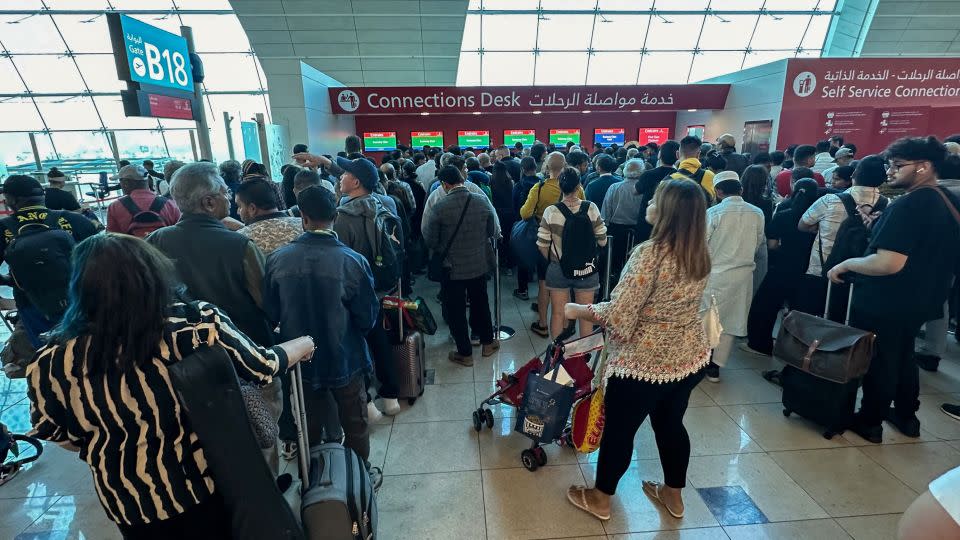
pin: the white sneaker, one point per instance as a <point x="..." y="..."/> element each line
<point x="391" y="407"/>
<point x="373" y="413"/>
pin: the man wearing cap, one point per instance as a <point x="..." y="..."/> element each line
<point x="137" y="196"/>
<point x="312" y="161"/>
<point x="727" y="146"/>
<point x="25" y="197"/>
<point x="842" y="158"/>
<point x="734" y="234"/>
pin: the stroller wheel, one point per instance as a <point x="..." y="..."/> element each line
<point x="488" y="416"/>
<point x="541" y="455"/>
<point x="477" y="423"/>
<point x="529" y="460"/>
<point x="786" y="412"/>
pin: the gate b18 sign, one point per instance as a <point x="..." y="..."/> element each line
<point x="148" y="55"/>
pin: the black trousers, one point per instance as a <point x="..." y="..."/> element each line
<point x="208" y="520"/>
<point x="348" y="406"/>
<point x="628" y="402"/>
<point x="379" y="342"/>
<point x="286" y="425"/>
<point x="455" y="293"/>
<point x="621" y="241"/>
<point x="893" y="375"/>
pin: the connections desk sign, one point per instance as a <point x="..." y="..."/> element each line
<point x="148" y="55"/>
<point x="527" y="99"/>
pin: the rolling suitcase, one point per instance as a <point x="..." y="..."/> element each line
<point x="825" y="361"/>
<point x="408" y="356"/>
<point x="337" y="498"/>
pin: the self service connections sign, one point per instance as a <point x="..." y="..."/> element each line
<point x="148" y="55"/>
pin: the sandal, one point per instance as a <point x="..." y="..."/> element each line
<point x="539" y="330"/>
<point x="652" y="489"/>
<point x="577" y="495"/>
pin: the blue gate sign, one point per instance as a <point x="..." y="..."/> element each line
<point x="150" y="55"/>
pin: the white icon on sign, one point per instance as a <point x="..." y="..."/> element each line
<point x="348" y="100"/>
<point x="804" y="84"/>
<point x="830" y="115"/>
<point x="139" y="67"/>
<point x="885" y="114"/>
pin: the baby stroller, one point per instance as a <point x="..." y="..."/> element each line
<point x="544" y="404"/>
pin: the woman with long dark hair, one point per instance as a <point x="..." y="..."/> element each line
<point x="756" y="190"/>
<point x="101" y="387"/>
<point x="656" y="349"/>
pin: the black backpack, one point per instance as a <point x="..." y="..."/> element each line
<point x="853" y="236"/>
<point x="39" y="260"/>
<point x="579" y="243"/>
<point x="697" y="176"/>
<point x="146" y="221"/>
<point x="387" y="250"/>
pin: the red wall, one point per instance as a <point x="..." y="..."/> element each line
<point x="497" y="123"/>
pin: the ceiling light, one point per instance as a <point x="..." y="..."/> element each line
<point x="585" y="112"/>
<point x="691" y="110"/>
<point x="425" y="113"/>
<point x="477" y="113"/>
<point x="537" y="112"/>
<point x="635" y="110"/>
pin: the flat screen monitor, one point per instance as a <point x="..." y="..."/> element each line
<point x="560" y="137"/>
<point x="474" y="139"/>
<point x="526" y="137"/>
<point x="380" y="141"/>
<point x="419" y="139"/>
<point x="608" y="136"/>
<point x="658" y="135"/>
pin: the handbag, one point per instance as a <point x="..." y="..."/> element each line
<point x="523" y="239"/>
<point x="545" y="405"/>
<point x="416" y="313"/>
<point x="265" y="428"/>
<point x="436" y="271"/>
<point x="711" y="323"/>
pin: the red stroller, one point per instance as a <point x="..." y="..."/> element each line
<point x="575" y="357"/>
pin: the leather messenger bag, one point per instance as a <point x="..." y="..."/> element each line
<point x="824" y="348"/>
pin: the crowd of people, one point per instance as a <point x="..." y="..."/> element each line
<point x="225" y="255"/>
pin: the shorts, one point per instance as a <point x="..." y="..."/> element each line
<point x="556" y="281"/>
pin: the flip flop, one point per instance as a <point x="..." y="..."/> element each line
<point x="652" y="489"/>
<point x="577" y="495"/>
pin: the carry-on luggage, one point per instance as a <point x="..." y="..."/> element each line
<point x="825" y="361"/>
<point x="409" y="359"/>
<point x="337" y="498"/>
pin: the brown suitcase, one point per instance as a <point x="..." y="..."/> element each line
<point x="824" y="348"/>
<point x="409" y="356"/>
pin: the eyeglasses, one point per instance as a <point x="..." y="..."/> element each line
<point x="896" y="166"/>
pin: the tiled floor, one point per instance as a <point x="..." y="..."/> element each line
<point x="445" y="481"/>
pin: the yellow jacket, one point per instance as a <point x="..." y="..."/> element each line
<point x="691" y="165"/>
<point x="537" y="202"/>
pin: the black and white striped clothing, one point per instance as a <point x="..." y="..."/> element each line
<point x="146" y="461"/>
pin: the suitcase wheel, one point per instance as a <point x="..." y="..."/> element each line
<point x="541" y="455"/>
<point x="477" y="422"/>
<point x="411" y="401"/>
<point x="786" y="412"/>
<point x="488" y="416"/>
<point x="529" y="460"/>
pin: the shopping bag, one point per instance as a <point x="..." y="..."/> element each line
<point x="587" y="424"/>
<point x="545" y="407"/>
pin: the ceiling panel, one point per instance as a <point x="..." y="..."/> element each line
<point x="913" y="28"/>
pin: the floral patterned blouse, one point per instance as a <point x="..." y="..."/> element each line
<point x="654" y="329"/>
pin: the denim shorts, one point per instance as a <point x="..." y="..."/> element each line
<point x="557" y="281"/>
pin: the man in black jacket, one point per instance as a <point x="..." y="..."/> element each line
<point x="727" y="146"/>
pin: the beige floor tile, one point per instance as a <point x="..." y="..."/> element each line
<point x="632" y="511"/>
<point x="524" y="505"/>
<point x="845" y="482"/>
<point x="766" y="425"/>
<point x="446" y="372"/>
<point x="440" y="402"/>
<point x="434" y="506"/>
<point x="932" y="419"/>
<point x="57" y="472"/>
<point x="699" y="398"/>
<point x="942" y="382"/>
<point x="775" y="493"/>
<point x="712" y="432"/>
<point x="916" y="465"/>
<point x="19" y="513"/>
<point x="955" y="444"/>
<point x="740" y="386"/>
<point x="483" y="390"/>
<point x="882" y="527"/>
<point x="428" y="447"/>
<point x="821" y="529"/>
<point x="709" y="533"/>
<point x="500" y="447"/>
<point x="76" y="518"/>
<point x="379" y="439"/>
<point x="743" y="360"/>
<point x="510" y="358"/>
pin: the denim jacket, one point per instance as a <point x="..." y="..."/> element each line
<point x="319" y="287"/>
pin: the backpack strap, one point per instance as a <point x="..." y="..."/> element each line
<point x="158" y="203"/>
<point x="849" y="204"/>
<point x="881" y="205"/>
<point x="946" y="200"/>
<point x="584" y="207"/>
<point x="129" y="205"/>
<point x="567" y="214"/>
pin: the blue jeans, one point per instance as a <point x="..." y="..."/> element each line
<point x="35" y="323"/>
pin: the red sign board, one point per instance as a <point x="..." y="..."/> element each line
<point x="852" y="124"/>
<point x="529" y="132"/>
<point x="892" y="123"/>
<point x="457" y="99"/>
<point x="375" y="134"/>
<point x="481" y="133"/>
<point x="426" y="134"/>
<point x="653" y="135"/>
<point x="565" y="132"/>
<point x="170" y="107"/>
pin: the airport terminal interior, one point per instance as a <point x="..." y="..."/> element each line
<point x="104" y="99"/>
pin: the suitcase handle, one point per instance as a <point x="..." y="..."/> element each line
<point x="300" y="417"/>
<point x="826" y="308"/>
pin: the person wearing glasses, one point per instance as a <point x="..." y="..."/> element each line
<point x="903" y="281"/>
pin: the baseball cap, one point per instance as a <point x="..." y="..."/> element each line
<point x="727" y="140"/>
<point x="363" y="169"/>
<point x="843" y="152"/>
<point x="131" y="172"/>
<point x="725" y="175"/>
<point x="21" y="185"/>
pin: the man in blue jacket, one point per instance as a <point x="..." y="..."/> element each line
<point x="319" y="287"/>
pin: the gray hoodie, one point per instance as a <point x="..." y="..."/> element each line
<point x="356" y="224"/>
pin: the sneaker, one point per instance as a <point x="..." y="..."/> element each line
<point x="474" y="340"/>
<point x="391" y="406"/>
<point x="952" y="410"/>
<point x="522" y="295"/>
<point x="489" y="348"/>
<point x="927" y="362"/>
<point x="872" y="434"/>
<point x="539" y="330"/>
<point x="713" y="372"/>
<point x="457" y="358"/>
<point x="373" y="413"/>
<point x="376" y="478"/>
<point x="288" y="450"/>
<point x="747" y="349"/>
<point x="908" y="424"/>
